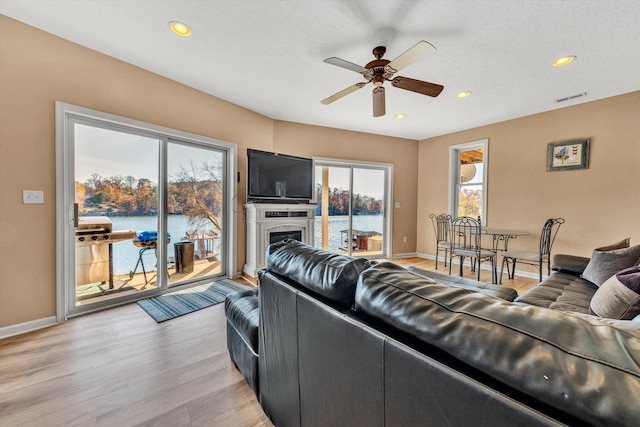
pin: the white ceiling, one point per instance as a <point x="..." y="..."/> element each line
<point x="267" y="55"/>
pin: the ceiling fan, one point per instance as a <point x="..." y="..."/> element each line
<point x="379" y="70"/>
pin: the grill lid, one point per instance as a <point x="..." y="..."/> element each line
<point x="94" y="224"/>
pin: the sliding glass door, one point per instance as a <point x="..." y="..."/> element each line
<point x="116" y="196"/>
<point x="195" y="211"/>
<point x="353" y="200"/>
<point x="140" y="209"/>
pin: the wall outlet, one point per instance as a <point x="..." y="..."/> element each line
<point x="32" y="197"/>
<point x="404" y="239"/>
<point x="397" y="205"/>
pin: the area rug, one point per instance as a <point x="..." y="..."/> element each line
<point x="185" y="301"/>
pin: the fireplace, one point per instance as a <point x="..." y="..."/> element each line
<point x="269" y="223"/>
<point x="276" y="236"/>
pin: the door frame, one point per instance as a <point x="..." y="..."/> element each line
<point x="65" y="114"/>
<point x="387" y="230"/>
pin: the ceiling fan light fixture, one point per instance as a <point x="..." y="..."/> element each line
<point x="180" y="29"/>
<point x="564" y="61"/>
<point x="378" y="80"/>
<point x="463" y="94"/>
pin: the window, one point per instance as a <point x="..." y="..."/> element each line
<point x="468" y="179"/>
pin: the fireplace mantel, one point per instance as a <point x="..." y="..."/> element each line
<point x="266" y="218"/>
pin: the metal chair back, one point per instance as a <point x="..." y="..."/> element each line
<point x="441" y="224"/>
<point x="465" y="233"/>
<point x="441" y="227"/>
<point x="548" y="235"/>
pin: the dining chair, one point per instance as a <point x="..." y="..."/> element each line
<point x="543" y="256"/>
<point x="441" y="227"/>
<point x="466" y="239"/>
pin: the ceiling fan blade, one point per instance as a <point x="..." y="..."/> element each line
<point x="346" y="64"/>
<point x="420" y="50"/>
<point x="425" y="88"/>
<point x="343" y="92"/>
<point x="378" y="102"/>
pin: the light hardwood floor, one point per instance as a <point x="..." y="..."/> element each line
<point x="120" y="368"/>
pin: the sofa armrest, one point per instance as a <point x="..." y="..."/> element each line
<point x="571" y="264"/>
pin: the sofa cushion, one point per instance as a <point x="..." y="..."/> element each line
<point x="554" y="357"/>
<point x="561" y="291"/>
<point x="619" y="296"/>
<point x="496" y="291"/>
<point x="624" y="243"/>
<point x="327" y="274"/>
<point x="605" y="264"/>
<point x="571" y="264"/>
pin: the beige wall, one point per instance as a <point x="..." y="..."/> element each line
<point x="37" y="69"/>
<point x="308" y="141"/>
<point x="600" y="204"/>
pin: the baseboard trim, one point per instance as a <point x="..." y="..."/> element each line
<point x="32" y="325"/>
<point x="407" y="255"/>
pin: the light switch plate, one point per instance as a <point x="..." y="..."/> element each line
<point x="33" y="197"/>
<point x="397" y="205"/>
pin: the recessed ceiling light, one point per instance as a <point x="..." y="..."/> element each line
<point x="463" y="94"/>
<point x="180" y="29"/>
<point x="400" y="116"/>
<point x="563" y="61"/>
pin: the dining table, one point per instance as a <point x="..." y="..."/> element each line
<point x="501" y="236"/>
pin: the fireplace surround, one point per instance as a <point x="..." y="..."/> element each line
<point x="271" y="222"/>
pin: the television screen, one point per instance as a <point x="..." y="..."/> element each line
<point x="279" y="177"/>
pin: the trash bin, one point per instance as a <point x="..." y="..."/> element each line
<point x="184" y="256"/>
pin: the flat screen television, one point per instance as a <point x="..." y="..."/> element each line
<point x="273" y="177"/>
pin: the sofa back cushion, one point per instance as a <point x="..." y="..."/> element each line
<point x="549" y="355"/>
<point x="327" y="274"/>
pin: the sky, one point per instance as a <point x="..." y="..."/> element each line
<point x="367" y="182"/>
<point x="111" y="153"/>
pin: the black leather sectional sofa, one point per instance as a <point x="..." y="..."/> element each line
<point x="346" y="343"/>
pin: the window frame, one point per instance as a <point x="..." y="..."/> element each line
<point x="454" y="173"/>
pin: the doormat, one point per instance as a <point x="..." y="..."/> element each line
<point x="185" y="301"/>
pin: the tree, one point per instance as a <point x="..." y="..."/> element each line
<point x="127" y="203"/>
<point x="469" y="203"/>
<point x="197" y="191"/>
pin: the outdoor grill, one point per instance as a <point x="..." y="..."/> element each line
<point x="94" y="253"/>
<point x="145" y="240"/>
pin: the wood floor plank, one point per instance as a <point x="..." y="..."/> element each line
<point x="120" y="368"/>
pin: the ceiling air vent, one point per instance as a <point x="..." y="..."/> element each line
<point x="567" y="98"/>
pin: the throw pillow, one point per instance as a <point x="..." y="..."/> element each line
<point x="605" y="264"/>
<point x="619" y="296"/>
<point x="624" y="243"/>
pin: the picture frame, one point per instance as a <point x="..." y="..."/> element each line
<point x="568" y="155"/>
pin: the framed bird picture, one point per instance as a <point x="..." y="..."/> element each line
<point x="568" y="155"/>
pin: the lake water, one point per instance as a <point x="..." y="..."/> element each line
<point x="339" y="223"/>
<point x="125" y="253"/>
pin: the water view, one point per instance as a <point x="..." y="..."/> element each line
<point x="125" y="253"/>
<point x="339" y="223"/>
